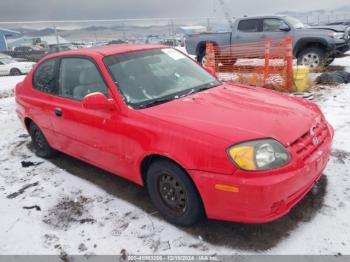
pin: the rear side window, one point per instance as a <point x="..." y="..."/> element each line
<point x="250" y="25"/>
<point x="44" y="77"/>
<point x="80" y="77"/>
<point x="273" y="25"/>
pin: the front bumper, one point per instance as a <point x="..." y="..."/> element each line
<point x="340" y="49"/>
<point x="262" y="197"/>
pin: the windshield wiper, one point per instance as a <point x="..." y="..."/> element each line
<point x="202" y="88"/>
<point x="156" y="102"/>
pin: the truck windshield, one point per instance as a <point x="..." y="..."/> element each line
<point x="294" y="22"/>
<point x="150" y="77"/>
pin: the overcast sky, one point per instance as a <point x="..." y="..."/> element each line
<point x="20" y="10"/>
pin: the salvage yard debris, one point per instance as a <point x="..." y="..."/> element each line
<point x="333" y="78"/>
<point x="36" y="207"/>
<point x="22" y="190"/>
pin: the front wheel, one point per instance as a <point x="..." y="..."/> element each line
<point x="41" y="146"/>
<point x="313" y="57"/>
<point x="173" y="193"/>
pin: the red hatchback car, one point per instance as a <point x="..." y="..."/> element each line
<point x="154" y="116"/>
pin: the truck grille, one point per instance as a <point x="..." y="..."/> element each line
<point x="347" y="34"/>
<point x="308" y="143"/>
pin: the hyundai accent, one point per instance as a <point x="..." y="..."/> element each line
<point x="201" y="147"/>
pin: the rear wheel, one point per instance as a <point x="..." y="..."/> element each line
<point x="201" y="55"/>
<point x="15" y="72"/>
<point x="41" y="146"/>
<point x="173" y="193"/>
<point x="313" y="57"/>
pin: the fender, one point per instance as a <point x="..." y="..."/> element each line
<point x="308" y="41"/>
<point x="203" y="43"/>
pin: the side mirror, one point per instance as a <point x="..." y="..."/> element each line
<point x="284" y="28"/>
<point x="211" y="71"/>
<point x="98" y="101"/>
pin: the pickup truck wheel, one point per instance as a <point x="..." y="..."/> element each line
<point x="201" y="56"/>
<point x="15" y="72"/>
<point x="313" y="57"/>
<point x="41" y="146"/>
<point x="173" y="193"/>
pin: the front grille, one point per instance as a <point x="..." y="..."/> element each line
<point x="308" y="143"/>
<point x="347" y="34"/>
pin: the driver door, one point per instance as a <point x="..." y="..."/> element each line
<point x="81" y="132"/>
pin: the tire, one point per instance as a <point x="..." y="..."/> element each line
<point x="173" y="193"/>
<point x="329" y="60"/>
<point x="201" y="55"/>
<point x="313" y="57"/>
<point x="40" y="144"/>
<point x="15" y="72"/>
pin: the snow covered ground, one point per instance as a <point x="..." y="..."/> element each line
<point x="67" y="206"/>
<point x="7" y="85"/>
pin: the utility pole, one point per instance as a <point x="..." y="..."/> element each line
<point x="227" y="12"/>
<point x="56" y="34"/>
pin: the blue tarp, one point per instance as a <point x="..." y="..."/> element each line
<point x="6" y="33"/>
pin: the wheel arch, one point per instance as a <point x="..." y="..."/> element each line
<point x="202" y="46"/>
<point x="27" y="122"/>
<point x="15" y="68"/>
<point x="151" y="158"/>
<point x="305" y="43"/>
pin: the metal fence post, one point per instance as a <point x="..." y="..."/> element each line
<point x="289" y="62"/>
<point x="267" y="60"/>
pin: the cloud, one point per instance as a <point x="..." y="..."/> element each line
<point x="19" y="10"/>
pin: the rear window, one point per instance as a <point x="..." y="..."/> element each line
<point x="251" y="25"/>
<point x="44" y="77"/>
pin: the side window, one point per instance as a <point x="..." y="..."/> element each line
<point x="249" y="25"/>
<point x="273" y="25"/>
<point x="44" y="77"/>
<point x="80" y="77"/>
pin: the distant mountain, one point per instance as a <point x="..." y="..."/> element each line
<point x="36" y="32"/>
<point x="345" y="8"/>
<point x="316" y="12"/>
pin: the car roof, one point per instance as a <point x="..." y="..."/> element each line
<point x="108" y="50"/>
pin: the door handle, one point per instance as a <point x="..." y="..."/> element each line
<point x="58" y="112"/>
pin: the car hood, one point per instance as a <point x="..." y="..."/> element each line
<point x="238" y="113"/>
<point x="335" y="28"/>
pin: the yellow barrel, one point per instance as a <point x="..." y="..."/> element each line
<point x="301" y="78"/>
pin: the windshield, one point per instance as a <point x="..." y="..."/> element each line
<point x="149" y="77"/>
<point x="294" y="22"/>
<point x="6" y="61"/>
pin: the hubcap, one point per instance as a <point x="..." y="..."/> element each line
<point x="311" y="59"/>
<point x="172" y="193"/>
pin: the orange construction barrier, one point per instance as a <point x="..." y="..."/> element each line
<point x="266" y="63"/>
<point x="209" y="55"/>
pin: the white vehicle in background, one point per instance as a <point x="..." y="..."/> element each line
<point x="9" y="66"/>
<point x="4" y="56"/>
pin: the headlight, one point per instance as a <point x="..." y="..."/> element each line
<point x="259" y="155"/>
<point x="337" y="35"/>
